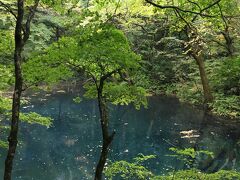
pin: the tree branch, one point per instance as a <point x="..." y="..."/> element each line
<point x="141" y="26"/>
<point x="79" y="69"/>
<point x="27" y="86"/>
<point x="129" y="81"/>
<point x="184" y="10"/>
<point x="8" y="8"/>
<point x="222" y="16"/>
<point x="181" y="17"/>
<point x="219" y="43"/>
<point x="103" y="78"/>
<point x="192" y="2"/>
<point x="29" y="19"/>
<point x="114" y="13"/>
<point x="206" y="8"/>
<point x="211" y="5"/>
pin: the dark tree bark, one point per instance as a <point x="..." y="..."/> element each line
<point x="13" y="137"/>
<point x="107" y="138"/>
<point x="21" y="36"/>
<point x="104" y="119"/>
<point x="229" y="44"/>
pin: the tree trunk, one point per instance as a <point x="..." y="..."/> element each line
<point x="13" y="137"/>
<point x="208" y="97"/>
<point x="228" y="42"/>
<point x="107" y="139"/>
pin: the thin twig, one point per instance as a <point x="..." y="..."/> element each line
<point x="8" y="8"/>
<point x="184" y="10"/>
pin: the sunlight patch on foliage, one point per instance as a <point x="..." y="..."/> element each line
<point x="196" y="174"/>
<point x="5" y="105"/>
<point x="226" y="105"/>
<point x="77" y="100"/>
<point x="3" y="144"/>
<point x="34" y="118"/>
<point x="120" y="94"/>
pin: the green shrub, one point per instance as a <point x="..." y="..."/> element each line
<point x="195" y="174"/>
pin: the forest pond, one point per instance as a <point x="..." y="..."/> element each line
<point x="70" y="148"/>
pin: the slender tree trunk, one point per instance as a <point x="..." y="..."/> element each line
<point x="228" y="42"/>
<point x="13" y="137"/>
<point x="208" y="97"/>
<point x="107" y="139"/>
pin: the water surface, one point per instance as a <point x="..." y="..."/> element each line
<point x="70" y="148"/>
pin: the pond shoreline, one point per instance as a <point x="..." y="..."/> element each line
<point x="76" y="87"/>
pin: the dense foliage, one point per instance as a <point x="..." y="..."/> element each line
<point x="138" y="170"/>
<point x="123" y="51"/>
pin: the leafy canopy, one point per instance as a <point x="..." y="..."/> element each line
<point x="101" y="52"/>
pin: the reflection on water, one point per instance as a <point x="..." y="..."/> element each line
<point x="70" y="149"/>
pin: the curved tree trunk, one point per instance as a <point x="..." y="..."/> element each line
<point x="13" y="137"/>
<point x="107" y="138"/>
<point x="208" y="97"/>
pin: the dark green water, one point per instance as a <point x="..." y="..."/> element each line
<point x="70" y="148"/>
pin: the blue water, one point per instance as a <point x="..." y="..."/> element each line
<point x="70" y="148"/>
